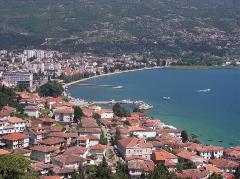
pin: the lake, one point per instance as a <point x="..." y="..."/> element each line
<point x="205" y="102"/>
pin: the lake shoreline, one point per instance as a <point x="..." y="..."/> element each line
<point x="110" y="74"/>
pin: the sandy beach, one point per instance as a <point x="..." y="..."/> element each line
<point x="108" y="74"/>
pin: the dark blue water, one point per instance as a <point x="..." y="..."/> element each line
<point x="214" y="116"/>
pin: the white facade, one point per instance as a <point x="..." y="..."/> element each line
<point x="31" y="113"/>
<point x="209" y="154"/>
<point x="7" y="127"/>
<point x="41" y="156"/>
<point x="65" y="117"/>
<point x="16" y="78"/>
<point x="107" y="115"/>
<point x="145" y="134"/>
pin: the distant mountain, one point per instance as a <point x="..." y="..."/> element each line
<point x="185" y="29"/>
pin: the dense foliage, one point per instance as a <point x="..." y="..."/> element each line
<point x="184" y="164"/>
<point x="78" y="113"/>
<point x="184" y="136"/>
<point x="8" y="97"/>
<point x="120" y="111"/>
<point x="215" y="176"/>
<point x="161" y="172"/>
<point x="14" y="166"/>
<point x="51" y="88"/>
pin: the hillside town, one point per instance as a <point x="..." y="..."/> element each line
<point x="63" y="139"/>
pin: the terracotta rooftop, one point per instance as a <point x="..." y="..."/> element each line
<point x="59" y="134"/>
<point x="15" y="119"/>
<point x="187" y="155"/>
<point x="90" y="130"/>
<point x="39" y="166"/>
<point x="82" y="138"/>
<point x="75" y="150"/>
<point x="3" y="152"/>
<point x="162" y="155"/>
<point x="15" y="136"/>
<point x="98" y="147"/>
<point x="224" y="163"/>
<point x="43" y="148"/>
<point x="52" y="141"/>
<point x="69" y="159"/>
<point x="140" y="164"/>
<point x="133" y="141"/>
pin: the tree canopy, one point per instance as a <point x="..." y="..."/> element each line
<point x="14" y="166"/>
<point x="8" y="97"/>
<point x="78" y="113"/>
<point x="51" y="88"/>
<point x="184" y="136"/>
<point x="120" y="111"/>
<point x="161" y="172"/>
<point x="215" y="176"/>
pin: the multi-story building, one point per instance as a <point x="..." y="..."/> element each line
<point x="18" y="78"/>
<point x="16" y="140"/>
<point x="135" y="147"/>
<point x="11" y="125"/>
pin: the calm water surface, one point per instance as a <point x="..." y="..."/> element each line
<point x="214" y="115"/>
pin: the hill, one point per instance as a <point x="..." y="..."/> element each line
<point x="184" y="29"/>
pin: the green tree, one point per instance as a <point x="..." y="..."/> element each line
<point x="117" y="136"/>
<point x="237" y="173"/>
<point x="184" y="136"/>
<point x="103" y="140"/>
<point x="215" y="176"/>
<point x="78" y="114"/>
<point x="103" y="170"/>
<point x="51" y="88"/>
<point x="161" y="172"/>
<point x="97" y="117"/>
<point x="184" y="164"/>
<point x="8" y="97"/>
<point x="121" y="171"/>
<point x="120" y="111"/>
<point x="14" y="166"/>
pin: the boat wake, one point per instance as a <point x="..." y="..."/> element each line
<point x="204" y="90"/>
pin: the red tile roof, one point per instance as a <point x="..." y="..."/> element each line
<point x="75" y="150"/>
<point x="15" y="119"/>
<point x="224" y="163"/>
<point x="15" y="136"/>
<point x="52" y="141"/>
<point x="3" y="152"/>
<point x="44" y="148"/>
<point x="162" y="155"/>
<point x="99" y="147"/>
<point x="133" y="141"/>
<point x="31" y="108"/>
<point x="59" y="134"/>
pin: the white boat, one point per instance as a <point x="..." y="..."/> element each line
<point x="118" y="87"/>
<point x="204" y="90"/>
<point x="166" y="97"/>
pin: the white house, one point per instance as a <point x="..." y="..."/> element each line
<point x="43" y="153"/>
<point x="82" y="141"/>
<point x="142" y="132"/>
<point x="11" y="125"/>
<point x="64" y="114"/>
<point x="16" y="140"/>
<point x="69" y="161"/>
<point x="32" y="111"/>
<point x="106" y="113"/>
<point x="133" y="146"/>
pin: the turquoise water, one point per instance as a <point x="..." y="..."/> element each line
<point x="214" y="116"/>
